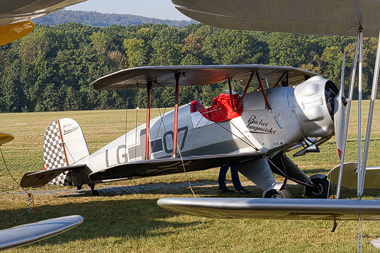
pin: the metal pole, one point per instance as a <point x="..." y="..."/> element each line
<point x="353" y="73"/>
<point x="370" y="114"/>
<point x="149" y="92"/>
<point x="360" y="109"/>
<point x="175" y="130"/>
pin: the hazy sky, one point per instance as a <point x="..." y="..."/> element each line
<point x="162" y="9"/>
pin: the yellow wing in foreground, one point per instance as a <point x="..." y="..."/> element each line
<point x="4" y="138"/>
<point x="12" y="32"/>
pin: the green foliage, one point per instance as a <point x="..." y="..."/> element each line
<point x="52" y="68"/>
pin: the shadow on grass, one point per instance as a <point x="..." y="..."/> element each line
<point x="205" y="188"/>
<point x="125" y="218"/>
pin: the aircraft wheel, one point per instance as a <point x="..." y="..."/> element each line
<point x="322" y="189"/>
<point x="79" y="187"/>
<point x="95" y="193"/>
<point x="278" y="194"/>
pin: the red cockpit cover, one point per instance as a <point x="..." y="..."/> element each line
<point x="221" y="109"/>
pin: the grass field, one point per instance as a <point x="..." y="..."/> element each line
<point x="134" y="222"/>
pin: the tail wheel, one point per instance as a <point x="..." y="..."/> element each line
<point x="321" y="189"/>
<point x="278" y="194"/>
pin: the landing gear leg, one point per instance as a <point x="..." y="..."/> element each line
<point x="94" y="192"/>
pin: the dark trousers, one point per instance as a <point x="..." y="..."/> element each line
<point x="234" y="175"/>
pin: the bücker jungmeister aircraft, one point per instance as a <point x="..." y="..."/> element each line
<point x="252" y="131"/>
<point x="14" y="24"/>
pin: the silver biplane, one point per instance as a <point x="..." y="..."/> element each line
<point x="14" y="24"/>
<point x="252" y="131"/>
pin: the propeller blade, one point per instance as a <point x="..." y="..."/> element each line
<point x="340" y="102"/>
<point x="339" y="120"/>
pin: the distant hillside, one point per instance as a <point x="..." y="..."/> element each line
<point x="102" y="19"/>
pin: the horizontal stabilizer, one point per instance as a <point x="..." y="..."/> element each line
<point x="350" y="179"/>
<point x="40" y="178"/>
<point x="165" y="166"/>
<point x="278" y="209"/>
<point x="29" y="233"/>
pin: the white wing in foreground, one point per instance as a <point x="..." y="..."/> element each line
<point x="277" y="209"/>
<point x="29" y="233"/>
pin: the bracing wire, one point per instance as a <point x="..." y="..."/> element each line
<point x="30" y="196"/>
<point x="184" y="169"/>
<point x="126" y="126"/>
<point x="360" y="234"/>
<point x="137" y="112"/>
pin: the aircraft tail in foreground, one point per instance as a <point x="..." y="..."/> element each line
<point x="64" y="144"/>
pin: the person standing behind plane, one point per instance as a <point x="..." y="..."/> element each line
<point x="235" y="181"/>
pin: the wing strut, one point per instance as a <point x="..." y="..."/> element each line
<point x="149" y="92"/>
<point x="370" y="117"/>
<point x="262" y="90"/>
<point x="232" y="98"/>
<point x="245" y="91"/>
<point x="175" y="130"/>
<point x="360" y="78"/>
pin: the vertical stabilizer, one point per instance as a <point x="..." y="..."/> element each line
<point x="64" y="144"/>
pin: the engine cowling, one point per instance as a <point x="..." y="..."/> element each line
<point x="315" y="111"/>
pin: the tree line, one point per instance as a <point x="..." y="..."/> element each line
<point x="94" y="18"/>
<point x="52" y="68"/>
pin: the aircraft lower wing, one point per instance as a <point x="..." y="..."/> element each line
<point x="165" y="166"/>
<point x="350" y="176"/>
<point x="278" y="209"/>
<point x="40" y="178"/>
<point x="29" y="233"/>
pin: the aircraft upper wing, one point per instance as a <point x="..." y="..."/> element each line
<point x="164" y="76"/>
<point x="165" y="166"/>
<point x="325" y="17"/>
<point x="279" y="209"/>
<point x="29" y="233"/>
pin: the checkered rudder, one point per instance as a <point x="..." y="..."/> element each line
<point x="54" y="156"/>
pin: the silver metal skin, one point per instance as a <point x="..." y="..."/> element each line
<point x="274" y="209"/>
